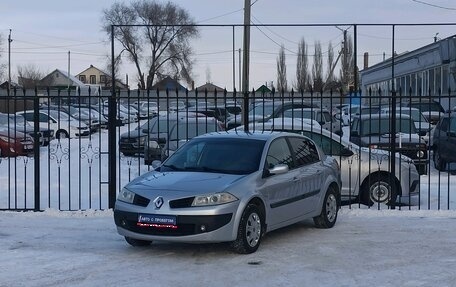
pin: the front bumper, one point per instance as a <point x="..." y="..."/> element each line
<point x="193" y="225"/>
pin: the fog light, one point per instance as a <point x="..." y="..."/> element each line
<point x="123" y="222"/>
<point x="203" y="228"/>
<point x="420" y="153"/>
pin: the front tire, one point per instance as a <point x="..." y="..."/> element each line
<point x="328" y="215"/>
<point x="439" y="163"/>
<point x="137" y="242"/>
<point x="61" y="134"/>
<point x="250" y="231"/>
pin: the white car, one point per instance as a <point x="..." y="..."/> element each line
<point x="63" y="124"/>
<point x="365" y="172"/>
<point x="423" y="127"/>
<point x="322" y="116"/>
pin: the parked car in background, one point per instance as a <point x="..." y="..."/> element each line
<point x="322" y="116"/>
<point x="199" y="194"/>
<point x="18" y="123"/>
<point x="150" y="108"/>
<point x="64" y="125"/>
<point x="265" y="110"/>
<point x="444" y="142"/>
<point x="374" y="131"/>
<point x="421" y="124"/>
<point x="366" y="173"/>
<point x="431" y="109"/>
<point x="185" y="129"/>
<point x="14" y="143"/>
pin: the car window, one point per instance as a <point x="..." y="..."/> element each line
<point x="279" y="153"/>
<point x="453" y="125"/>
<point x="328" y="145"/>
<point x="304" y="150"/>
<point x="326" y="116"/>
<point x="382" y="126"/>
<point x="444" y="124"/>
<point x="43" y="118"/>
<point x="184" y="130"/>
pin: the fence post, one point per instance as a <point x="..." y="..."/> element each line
<point x="112" y="132"/>
<point x="36" y="148"/>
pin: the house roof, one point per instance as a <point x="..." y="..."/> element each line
<point x="210" y="87"/>
<point x="168" y="83"/>
<point x="263" y="89"/>
<point x="75" y="81"/>
<point x="93" y="67"/>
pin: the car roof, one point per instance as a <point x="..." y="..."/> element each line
<point x="380" y="116"/>
<point x="258" y="135"/>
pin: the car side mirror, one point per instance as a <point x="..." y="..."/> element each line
<point x="279" y="169"/>
<point x="345" y="152"/>
<point x="156" y="164"/>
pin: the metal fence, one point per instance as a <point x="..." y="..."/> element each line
<point x="66" y="165"/>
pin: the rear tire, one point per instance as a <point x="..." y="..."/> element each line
<point x="250" y="231"/>
<point x="137" y="242"/>
<point x="439" y="163"/>
<point x="328" y="215"/>
<point x="380" y="190"/>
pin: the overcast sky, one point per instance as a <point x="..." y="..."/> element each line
<point x="44" y="31"/>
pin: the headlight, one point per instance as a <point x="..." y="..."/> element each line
<point x="420" y="154"/>
<point x="7" y="139"/>
<point x="126" y="196"/>
<point x="213" y="199"/>
<point x="153" y="144"/>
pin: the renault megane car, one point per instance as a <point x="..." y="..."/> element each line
<point x="231" y="187"/>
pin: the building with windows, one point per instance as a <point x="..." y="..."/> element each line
<point x="94" y="76"/>
<point x="427" y="72"/>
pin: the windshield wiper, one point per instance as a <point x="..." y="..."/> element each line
<point x="204" y="169"/>
<point x="173" y="167"/>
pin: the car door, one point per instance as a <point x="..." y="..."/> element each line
<point x="280" y="188"/>
<point x="349" y="164"/>
<point x="310" y="176"/>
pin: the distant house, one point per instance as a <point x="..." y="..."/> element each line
<point x="168" y="83"/>
<point x="95" y="76"/>
<point x="5" y="85"/>
<point x="210" y="88"/>
<point x="59" y="79"/>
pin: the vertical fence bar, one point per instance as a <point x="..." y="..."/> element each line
<point x="393" y="115"/>
<point x="112" y="132"/>
<point x="36" y="149"/>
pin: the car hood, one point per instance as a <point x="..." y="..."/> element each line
<point x="132" y="134"/>
<point x="386" y="138"/>
<point x="182" y="183"/>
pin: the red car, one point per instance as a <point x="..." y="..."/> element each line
<point x="14" y="143"/>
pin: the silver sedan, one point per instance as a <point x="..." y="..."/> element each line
<point x="231" y="187"/>
<point x="366" y="173"/>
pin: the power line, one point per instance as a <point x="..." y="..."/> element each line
<point x="220" y="16"/>
<point x="41" y="46"/>
<point x="434" y="5"/>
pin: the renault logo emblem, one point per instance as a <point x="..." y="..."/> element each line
<point x="158" y="202"/>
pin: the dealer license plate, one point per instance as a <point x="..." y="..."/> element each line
<point x="157" y="219"/>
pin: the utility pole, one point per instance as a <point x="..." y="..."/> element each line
<point x="240" y="71"/>
<point x="344" y="67"/>
<point x="9" y="60"/>
<point x="69" y="80"/>
<point x="245" y="66"/>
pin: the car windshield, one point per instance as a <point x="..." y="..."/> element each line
<point x="416" y="115"/>
<point x="263" y="110"/>
<point x="18" y="120"/>
<point x="59" y="115"/>
<point x="428" y="107"/>
<point x="302" y="114"/>
<point x="383" y="126"/>
<point x="217" y="155"/>
<point x="184" y="130"/>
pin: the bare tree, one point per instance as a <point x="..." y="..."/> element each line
<point x="331" y="82"/>
<point x="117" y="63"/>
<point x="29" y="76"/>
<point x="302" y="66"/>
<point x="155" y="49"/>
<point x="281" y="70"/>
<point x="2" y="65"/>
<point x="347" y="65"/>
<point x="317" y="67"/>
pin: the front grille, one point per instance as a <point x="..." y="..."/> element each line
<point x="141" y="201"/>
<point x="128" y="140"/>
<point x="181" y="203"/>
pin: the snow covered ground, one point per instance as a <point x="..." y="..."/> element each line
<point x="365" y="248"/>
